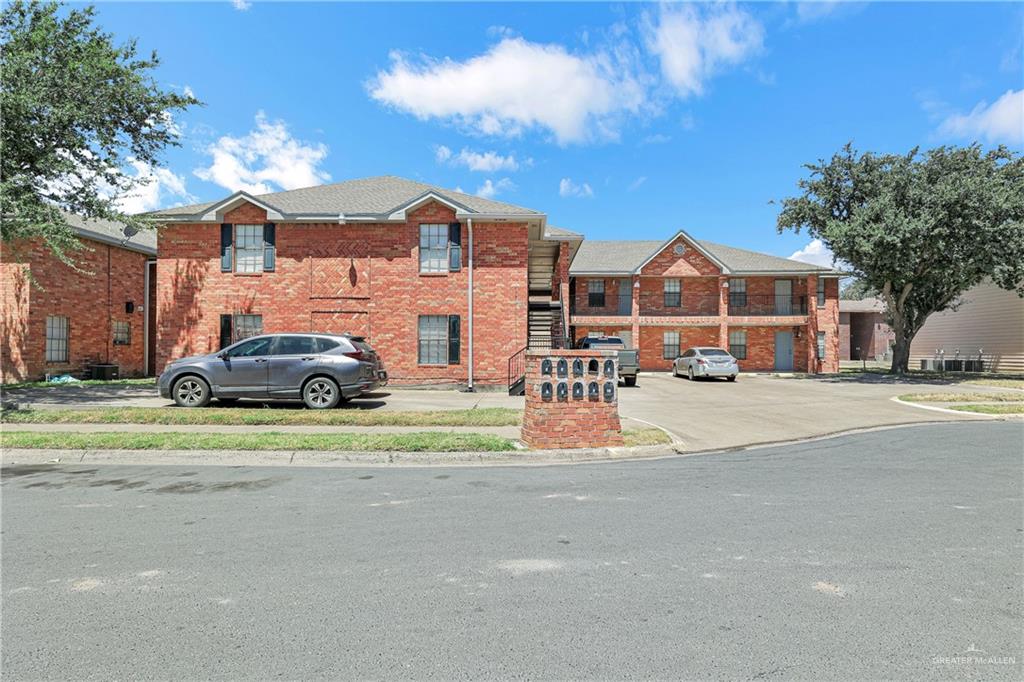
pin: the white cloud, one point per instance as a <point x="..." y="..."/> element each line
<point x="812" y="11"/>
<point x="516" y="86"/>
<point x="489" y="189"/>
<point x="157" y="188"/>
<point x="241" y="5"/>
<point x="263" y="160"/>
<point x="636" y="183"/>
<point x="815" y="253"/>
<point x="483" y="162"/>
<point x="694" y="43"/>
<point x="568" y="188"/>
<point x="1002" y="121"/>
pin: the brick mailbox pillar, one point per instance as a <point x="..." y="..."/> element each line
<point x="572" y="399"/>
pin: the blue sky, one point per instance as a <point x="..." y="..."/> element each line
<point x="617" y="120"/>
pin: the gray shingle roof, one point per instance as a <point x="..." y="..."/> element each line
<point x="622" y="257"/>
<point x="109" y="232"/>
<point x="363" y="197"/>
<point x="552" y="232"/>
<point x="867" y="305"/>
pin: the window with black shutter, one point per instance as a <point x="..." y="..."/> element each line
<point x="225" y="331"/>
<point x="454" y="247"/>
<point x="454" y="339"/>
<point x="269" y="246"/>
<point x="226" y="233"/>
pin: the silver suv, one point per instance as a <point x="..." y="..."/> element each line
<point x="320" y="369"/>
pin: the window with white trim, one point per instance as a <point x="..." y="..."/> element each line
<point x="821" y="345"/>
<point x="57" y="335"/>
<point x="246" y="326"/>
<point x="673" y="293"/>
<point x="595" y="293"/>
<point x="670" y="345"/>
<point x="440" y="247"/>
<point x="248" y="248"/>
<point x="738" y="344"/>
<point x="122" y="333"/>
<point x="595" y="334"/>
<point x="821" y="291"/>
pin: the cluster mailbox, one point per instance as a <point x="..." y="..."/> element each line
<point x="571" y="399"/>
<point x="555" y="384"/>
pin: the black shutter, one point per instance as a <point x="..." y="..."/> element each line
<point x="454" y="246"/>
<point x="225" y="331"/>
<point x="269" y="246"/>
<point x="225" y="247"/>
<point x="454" y="339"/>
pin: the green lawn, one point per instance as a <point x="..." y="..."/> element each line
<point x="147" y="381"/>
<point x="963" y="397"/>
<point x="637" y="437"/>
<point x="393" y="442"/>
<point x="998" y="383"/>
<point x="259" y="416"/>
<point x="1007" y="408"/>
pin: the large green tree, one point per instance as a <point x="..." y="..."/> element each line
<point x="76" y="108"/>
<point x="919" y="228"/>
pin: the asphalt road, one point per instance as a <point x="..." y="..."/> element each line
<point x="891" y="554"/>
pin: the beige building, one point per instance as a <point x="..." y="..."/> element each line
<point x="989" y="325"/>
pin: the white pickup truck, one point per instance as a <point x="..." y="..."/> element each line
<point x="629" y="359"/>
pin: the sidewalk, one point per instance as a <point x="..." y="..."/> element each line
<point x="503" y="431"/>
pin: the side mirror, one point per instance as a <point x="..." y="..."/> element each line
<point x="223" y="355"/>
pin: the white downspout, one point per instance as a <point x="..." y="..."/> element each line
<point x="470" y="382"/>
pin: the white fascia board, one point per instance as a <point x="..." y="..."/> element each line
<point x="216" y="212"/>
<point x="694" y="243"/>
<point x="399" y="212"/>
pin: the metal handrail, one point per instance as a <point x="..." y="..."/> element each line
<point x="516" y="367"/>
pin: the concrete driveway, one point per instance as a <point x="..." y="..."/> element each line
<point x="705" y="415"/>
<point x="713" y="414"/>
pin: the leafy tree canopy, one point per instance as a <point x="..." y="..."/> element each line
<point x="919" y="228"/>
<point x="76" y="108"/>
<point x="856" y="290"/>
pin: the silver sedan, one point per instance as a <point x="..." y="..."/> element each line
<point x="706" y="362"/>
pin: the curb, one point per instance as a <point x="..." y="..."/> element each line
<point x="946" y="410"/>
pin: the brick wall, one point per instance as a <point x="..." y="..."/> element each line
<point x="571" y="423"/>
<point x="699" y="295"/>
<point x="652" y="343"/>
<point x="36" y="284"/>
<point x="611" y="296"/>
<point x="360" y="278"/>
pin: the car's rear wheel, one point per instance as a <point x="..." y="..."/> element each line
<point x="689" y="373"/>
<point x="191" y="391"/>
<point x="629" y="381"/>
<point x="732" y="378"/>
<point x="321" y="393"/>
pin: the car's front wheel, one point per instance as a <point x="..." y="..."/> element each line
<point x="321" y="393"/>
<point x="689" y="374"/>
<point x="732" y="378"/>
<point x="191" y="391"/>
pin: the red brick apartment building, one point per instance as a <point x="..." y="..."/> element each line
<point x="438" y="281"/>
<point x="664" y="297"/>
<point x="55" y="319"/>
<point x="452" y="288"/>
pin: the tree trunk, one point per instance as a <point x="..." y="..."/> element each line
<point x="901" y="355"/>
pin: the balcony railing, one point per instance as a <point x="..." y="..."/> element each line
<point x="766" y="304"/>
<point x="667" y="304"/>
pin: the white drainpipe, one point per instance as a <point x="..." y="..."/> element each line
<point x="470" y="382"/>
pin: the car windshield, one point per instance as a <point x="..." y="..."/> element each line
<point x="713" y="352"/>
<point x="610" y="340"/>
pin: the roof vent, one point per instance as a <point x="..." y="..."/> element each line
<point x="679" y="249"/>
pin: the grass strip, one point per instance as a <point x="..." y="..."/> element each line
<point x="147" y="381"/>
<point x="1006" y="408"/>
<point x="998" y="383"/>
<point x="963" y="397"/>
<point x="257" y="416"/>
<point x="387" y="442"/>
<point x="650" y="436"/>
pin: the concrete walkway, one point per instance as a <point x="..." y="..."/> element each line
<point x="503" y="431"/>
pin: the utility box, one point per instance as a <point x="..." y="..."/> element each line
<point x="104" y="372"/>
